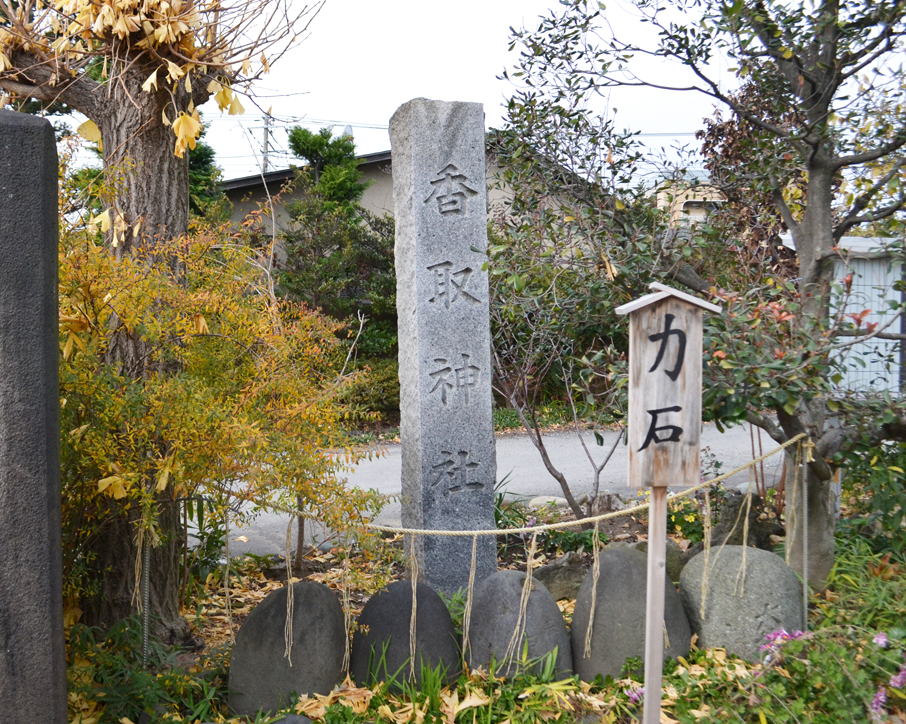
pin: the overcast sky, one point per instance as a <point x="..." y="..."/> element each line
<point x="363" y="59"/>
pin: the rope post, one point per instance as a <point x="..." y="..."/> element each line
<point x="654" y="615"/>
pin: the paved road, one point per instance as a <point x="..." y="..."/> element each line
<point x="519" y="464"/>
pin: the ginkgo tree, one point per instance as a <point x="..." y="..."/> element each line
<point x="139" y="69"/>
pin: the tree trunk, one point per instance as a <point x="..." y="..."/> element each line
<point x="819" y="517"/>
<point x="150" y="184"/>
<point x="150" y="187"/>
<point x="114" y="568"/>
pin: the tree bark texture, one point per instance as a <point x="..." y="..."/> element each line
<point x="114" y="567"/>
<point x="150" y="184"/>
<point x="811" y="554"/>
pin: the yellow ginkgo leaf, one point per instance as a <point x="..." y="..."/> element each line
<point x="163" y="478"/>
<point x="236" y="108"/>
<point x="174" y="72"/>
<point x="151" y="82"/>
<point x="114" y="485"/>
<point x="187" y="129"/>
<point x="201" y="326"/>
<point x="223" y="97"/>
<point x="267" y="66"/>
<point x="89" y="131"/>
<point x="104" y="220"/>
<point x="163" y="118"/>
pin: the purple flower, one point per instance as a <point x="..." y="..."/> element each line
<point x="880" y="640"/>
<point x="899" y="681"/>
<point x="878" y="705"/>
<point x="635" y="694"/>
<point x="776" y="638"/>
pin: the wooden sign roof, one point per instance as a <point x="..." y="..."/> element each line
<point x="662" y="291"/>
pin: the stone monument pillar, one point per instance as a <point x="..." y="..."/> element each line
<point x="447" y="426"/>
<point x="32" y="653"/>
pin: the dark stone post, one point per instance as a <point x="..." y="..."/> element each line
<point x="32" y="651"/>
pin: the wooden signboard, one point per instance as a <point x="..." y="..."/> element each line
<point x="665" y="417"/>
<point x="665" y="379"/>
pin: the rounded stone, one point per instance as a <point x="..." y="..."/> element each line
<point x="380" y="644"/>
<point x="618" y="632"/>
<point x="261" y="678"/>
<point x="743" y="603"/>
<point x="676" y="558"/>
<point x="495" y="611"/>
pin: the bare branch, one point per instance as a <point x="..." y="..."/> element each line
<point x="81" y="92"/>
<point x="878" y="330"/>
<point x="883" y="335"/>
<point x="785" y="213"/>
<point x="759" y="420"/>
<point x="857" y="159"/>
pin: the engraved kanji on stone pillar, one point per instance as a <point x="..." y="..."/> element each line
<point x="447" y="427"/>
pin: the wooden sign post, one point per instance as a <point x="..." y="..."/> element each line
<point x="665" y="414"/>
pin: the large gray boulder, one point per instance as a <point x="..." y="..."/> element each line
<point x="261" y="678"/>
<point x="495" y="610"/>
<point x="676" y="558"/>
<point x="619" y="624"/>
<point x="563" y="576"/>
<point x="742" y="605"/>
<point x="762" y="527"/>
<point x="380" y="644"/>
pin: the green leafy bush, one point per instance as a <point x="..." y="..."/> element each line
<point x="874" y="485"/>
<point x="865" y="588"/>
<point x="107" y="681"/>
<point x="824" y="677"/>
<point x="377" y="392"/>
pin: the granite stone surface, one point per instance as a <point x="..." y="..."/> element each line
<point x="261" y="678"/>
<point x="619" y="622"/>
<point x="563" y="576"/>
<point x="744" y="602"/>
<point x="676" y="558"/>
<point x="380" y="644"/>
<point x="447" y="428"/>
<point x="495" y="612"/>
<point x="32" y="649"/>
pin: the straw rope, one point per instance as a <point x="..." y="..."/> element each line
<point x="288" y="624"/>
<point x="739" y="587"/>
<point x="595" y="574"/>
<point x="581" y="521"/>
<point x="347" y="614"/>
<point x="413" y="569"/>
<point x="467" y="612"/>
<point x="566" y="523"/>
<point x="513" y="647"/>
<point x="226" y="575"/>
